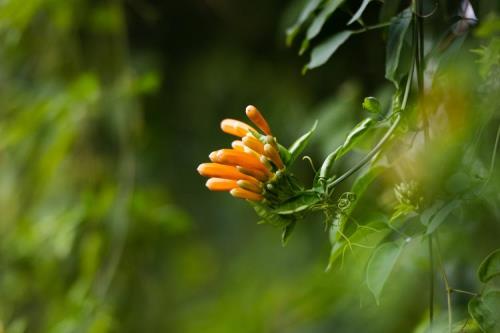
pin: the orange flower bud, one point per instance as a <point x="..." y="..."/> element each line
<point x="273" y="155"/>
<point x="265" y="161"/>
<point x="235" y="127"/>
<point x="221" y="184"/>
<point x="256" y="117"/>
<point x="253" y="143"/>
<point x="253" y="186"/>
<point x="235" y="157"/>
<point x="257" y="174"/>
<point x="244" y="194"/>
<point x="221" y="171"/>
<point x="238" y="145"/>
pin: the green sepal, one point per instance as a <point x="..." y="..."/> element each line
<point x="300" y="144"/>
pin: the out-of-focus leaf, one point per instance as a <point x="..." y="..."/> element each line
<point x="380" y="266"/>
<point x="321" y="53"/>
<point x="485" y="311"/>
<point x="355" y="135"/>
<point x="441" y="215"/>
<point x="397" y="30"/>
<point x="297" y="204"/>
<point x="306" y="13"/>
<point x="300" y="144"/>
<point x="359" y="12"/>
<point x="372" y="105"/>
<point x="367" y="235"/>
<point x="389" y="9"/>
<point x="319" y="21"/>
<point x="429" y="213"/>
<point x="490" y="267"/>
<point x="287" y="232"/>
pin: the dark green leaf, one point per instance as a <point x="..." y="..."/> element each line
<point x="490" y="267"/>
<point x="319" y="21"/>
<point x="485" y="311"/>
<point x="397" y="30"/>
<point x="356" y="133"/>
<point x="287" y="231"/>
<point x="297" y="204"/>
<point x="307" y="12"/>
<point x="300" y="144"/>
<point x="371" y="104"/>
<point x="359" y="12"/>
<point x="389" y="9"/>
<point x="441" y="215"/>
<point x="321" y="53"/>
<point x="380" y="266"/>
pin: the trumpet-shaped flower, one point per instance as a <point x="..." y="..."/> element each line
<point x="253" y="161"/>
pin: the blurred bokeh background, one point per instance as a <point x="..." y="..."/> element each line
<point x="106" y="109"/>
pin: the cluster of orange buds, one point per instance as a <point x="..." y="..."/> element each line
<point x="253" y="161"/>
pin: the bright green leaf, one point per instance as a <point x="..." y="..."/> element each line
<point x="355" y="135"/>
<point x="485" y="311"/>
<point x="397" y="30"/>
<point x="327" y="166"/>
<point x="359" y="12"/>
<point x="490" y="267"/>
<point x="380" y="265"/>
<point x="300" y="144"/>
<point x="372" y="105"/>
<point x="321" y="53"/>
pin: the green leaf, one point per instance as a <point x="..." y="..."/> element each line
<point x="300" y="144"/>
<point x="287" y="231"/>
<point x="327" y="166"/>
<point x="397" y="30"/>
<point x="355" y="135"/>
<point x="429" y="213"/>
<point x="359" y="12"/>
<point x="485" y="311"/>
<point x="372" y="105"/>
<point x="319" y="21"/>
<point x="368" y="235"/>
<point x="490" y="267"/>
<point x="380" y="265"/>
<point x="269" y="217"/>
<point x="321" y="53"/>
<point x="306" y="13"/>
<point x="284" y="154"/>
<point x="441" y="215"/>
<point x="297" y="204"/>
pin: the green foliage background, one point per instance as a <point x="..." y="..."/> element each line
<point x="106" y="109"/>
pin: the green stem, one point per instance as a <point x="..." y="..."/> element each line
<point x="446" y="284"/>
<point x="372" y="27"/>
<point x="431" y="282"/>
<point x="460" y="291"/>
<point x="368" y="156"/>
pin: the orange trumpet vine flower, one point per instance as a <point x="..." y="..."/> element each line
<point x="250" y="165"/>
<point x="256" y="117"/>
